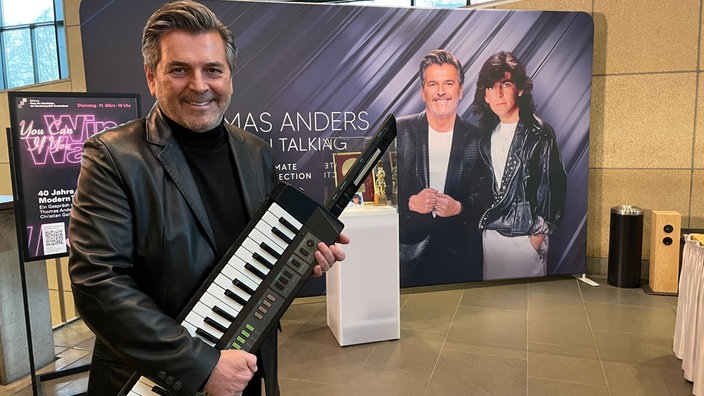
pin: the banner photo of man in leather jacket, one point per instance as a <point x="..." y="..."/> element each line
<point x="519" y="182"/>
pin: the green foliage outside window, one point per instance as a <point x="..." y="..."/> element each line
<point x="32" y="42"/>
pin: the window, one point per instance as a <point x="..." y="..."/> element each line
<point x="32" y="42"/>
<point x="441" y="3"/>
<point x="418" y="3"/>
<point x="447" y="3"/>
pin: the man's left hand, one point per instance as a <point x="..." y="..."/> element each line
<point x="537" y="240"/>
<point x="326" y="256"/>
<point x="446" y="206"/>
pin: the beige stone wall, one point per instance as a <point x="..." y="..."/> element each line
<point x="647" y="113"/>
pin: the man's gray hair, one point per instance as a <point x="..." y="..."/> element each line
<point x="440" y="57"/>
<point x="188" y="16"/>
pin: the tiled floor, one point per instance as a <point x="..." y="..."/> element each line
<point x="555" y="336"/>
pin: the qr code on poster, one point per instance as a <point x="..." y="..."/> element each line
<point x="54" y="238"/>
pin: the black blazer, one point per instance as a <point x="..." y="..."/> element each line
<point x="141" y="245"/>
<point x="422" y="236"/>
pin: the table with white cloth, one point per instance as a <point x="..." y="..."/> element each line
<point x="688" y="342"/>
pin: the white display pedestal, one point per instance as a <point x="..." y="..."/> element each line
<point x="363" y="295"/>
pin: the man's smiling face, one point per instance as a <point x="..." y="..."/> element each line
<point x="441" y="91"/>
<point x="192" y="82"/>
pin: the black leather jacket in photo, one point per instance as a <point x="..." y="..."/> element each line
<point x="531" y="197"/>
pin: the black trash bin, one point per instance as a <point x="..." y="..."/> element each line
<point x="625" y="246"/>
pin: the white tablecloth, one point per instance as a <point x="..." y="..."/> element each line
<point x="688" y="342"/>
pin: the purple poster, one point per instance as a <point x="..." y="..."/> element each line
<point x="46" y="139"/>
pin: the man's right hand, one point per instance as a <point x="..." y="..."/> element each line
<point x="232" y="373"/>
<point x="424" y="201"/>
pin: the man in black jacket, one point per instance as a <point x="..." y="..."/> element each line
<point x="158" y="203"/>
<point x="436" y="148"/>
<point x="521" y="182"/>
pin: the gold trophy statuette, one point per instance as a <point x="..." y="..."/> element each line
<point x="380" y="185"/>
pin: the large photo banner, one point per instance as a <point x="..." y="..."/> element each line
<point x="46" y="140"/>
<point x="315" y="79"/>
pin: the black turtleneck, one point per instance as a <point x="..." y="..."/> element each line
<point x="214" y="169"/>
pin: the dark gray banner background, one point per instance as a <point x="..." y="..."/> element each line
<point x="362" y="61"/>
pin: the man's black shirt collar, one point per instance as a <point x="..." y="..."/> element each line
<point x="188" y="137"/>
